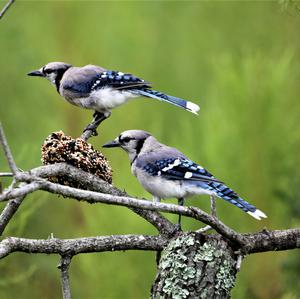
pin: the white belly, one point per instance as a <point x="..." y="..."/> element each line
<point x="106" y="99"/>
<point x="163" y="188"/>
<point x="103" y="100"/>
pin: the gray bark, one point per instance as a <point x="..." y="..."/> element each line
<point x="194" y="265"/>
<point x="9" y="211"/>
<point x="64" y="276"/>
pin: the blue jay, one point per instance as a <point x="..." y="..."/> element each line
<point x="101" y="90"/>
<point x="165" y="172"/>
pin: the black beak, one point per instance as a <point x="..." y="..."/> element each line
<point x="37" y="73"/>
<point x="111" y="144"/>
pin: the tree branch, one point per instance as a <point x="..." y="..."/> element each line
<point x="91" y="182"/>
<point x="163" y="225"/>
<point x="6" y="174"/>
<point x="275" y="240"/>
<point x="64" y="271"/>
<point x="9" y="211"/>
<point x="22" y="190"/>
<point x="13" y="205"/>
<point x="95" y="197"/>
<point x="71" y="247"/>
<point x="6" y="7"/>
<point x="257" y="242"/>
<point x="34" y="179"/>
<point x="7" y="152"/>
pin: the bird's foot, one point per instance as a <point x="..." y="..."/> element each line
<point x="92" y="128"/>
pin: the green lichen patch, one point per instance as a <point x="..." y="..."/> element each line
<point x="195" y="266"/>
<point x="205" y="253"/>
<point x="175" y="269"/>
<point x="225" y="278"/>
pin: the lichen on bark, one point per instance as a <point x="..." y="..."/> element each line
<point x="195" y="266"/>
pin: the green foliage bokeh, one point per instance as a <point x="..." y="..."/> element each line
<point x="238" y="60"/>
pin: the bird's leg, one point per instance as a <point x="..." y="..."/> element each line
<point x="91" y="129"/>
<point x="180" y="203"/>
<point x="98" y="118"/>
<point x="156" y="199"/>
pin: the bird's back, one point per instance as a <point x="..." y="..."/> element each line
<point x="153" y="151"/>
<point x="76" y="81"/>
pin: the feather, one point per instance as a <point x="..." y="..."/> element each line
<point x="150" y="93"/>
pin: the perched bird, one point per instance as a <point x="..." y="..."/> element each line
<point x="101" y="90"/>
<point x="165" y="172"/>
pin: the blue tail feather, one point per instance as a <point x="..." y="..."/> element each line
<point x="222" y="191"/>
<point x="150" y="93"/>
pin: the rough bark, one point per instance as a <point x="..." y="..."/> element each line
<point x="271" y="240"/>
<point x="8" y="212"/>
<point x="194" y="265"/>
<point x="64" y="276"/>
<point x="71" y="247"/>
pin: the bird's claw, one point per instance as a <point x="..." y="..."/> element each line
<point x="91" y="128"/>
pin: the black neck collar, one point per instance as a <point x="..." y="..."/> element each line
<point x="138" y="149"/>
<point x="58" y="78"/>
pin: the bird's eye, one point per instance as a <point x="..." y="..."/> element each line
<point x="126" y="139"/>
<point x="47" y="71"/>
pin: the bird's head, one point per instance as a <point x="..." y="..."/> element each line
<point x="53" y="71"/>
<point x="131" y="141"/>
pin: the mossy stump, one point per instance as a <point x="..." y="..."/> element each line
<point x="195" y="266"/>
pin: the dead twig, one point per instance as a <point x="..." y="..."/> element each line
<point x="6" y="7"/>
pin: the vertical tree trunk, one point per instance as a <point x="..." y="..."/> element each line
<point x="195" y="266"/>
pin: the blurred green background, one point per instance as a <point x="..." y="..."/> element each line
<point x="239" y="61"/>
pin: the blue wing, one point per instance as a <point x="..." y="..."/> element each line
<point x="87" y="80"/>
<point x="190" y="172"/>
<point x="179" y="169"/>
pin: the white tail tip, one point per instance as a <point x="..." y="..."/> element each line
<point x="194" y="108"/>
<point x="258" y="214"/>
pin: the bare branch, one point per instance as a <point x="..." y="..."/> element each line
<point x="93" y="183"/>
<point x="204" y="229"/>
<point x="71" y="247"/>
<point x="64" y="274"/>
<point x="213" y="209"/>
<point x="20" y="191"/>
<point x="87" y="134"/>
<point x="6" y="7"/>
<point x="6" y="174"/>
<point x="256" y="242"/>
<point x="7" y="152"/>
<point x="95" y="197"/>
<point x="272" y="241"/>
<point x="9" y="211"/>
<point x="213" y="206"/>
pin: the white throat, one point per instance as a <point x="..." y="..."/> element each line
<point x="51" y="77"/>
<point x="132" y="156"/>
